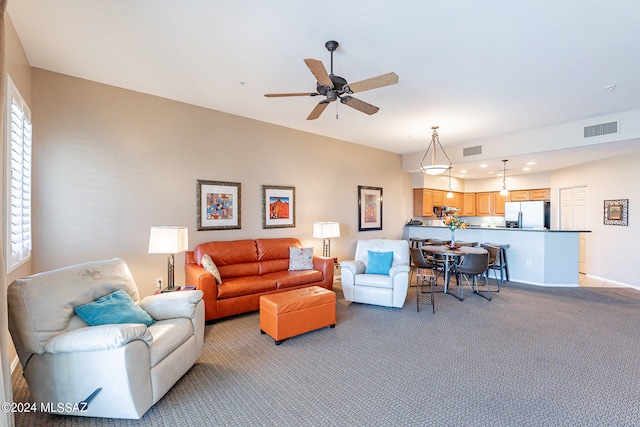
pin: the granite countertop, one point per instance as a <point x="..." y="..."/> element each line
<point x="477" y="227"/>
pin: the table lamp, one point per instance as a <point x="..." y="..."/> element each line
<point x="325" y="231"/>
<point x="168" y="240"/>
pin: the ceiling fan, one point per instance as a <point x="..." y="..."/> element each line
<point x="335" y="87"/>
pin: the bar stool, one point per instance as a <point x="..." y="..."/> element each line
<point x="501" y="259"/>
<point x="416" y="243"/>
<point x="424" y="270"/>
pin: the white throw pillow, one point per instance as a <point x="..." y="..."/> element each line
<point x="300" y="259"/>
<point x="210" y="266"/>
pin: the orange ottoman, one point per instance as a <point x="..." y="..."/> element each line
<point x="287" y="314"/>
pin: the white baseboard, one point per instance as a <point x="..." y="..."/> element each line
<point x="613" y="282"/>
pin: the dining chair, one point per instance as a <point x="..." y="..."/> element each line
<point x="424" y="274"/>
<point x="494" y="262"/>
<point x="472" y="266"/>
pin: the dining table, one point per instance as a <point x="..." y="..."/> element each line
<point x="449" y="255"/>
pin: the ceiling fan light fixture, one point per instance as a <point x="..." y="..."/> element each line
<point x="335" y="87"/>
<point x="434" y="168"/>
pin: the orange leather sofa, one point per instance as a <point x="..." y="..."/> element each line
<point x="250" y="269"/>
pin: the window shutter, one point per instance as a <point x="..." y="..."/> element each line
<point x="19" y="177"/>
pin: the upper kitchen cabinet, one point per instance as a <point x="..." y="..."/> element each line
<point x="468" y="204"/>
<point x="422" y="202"/>
<point x="518" y="195"/>
<point x="540" y="194"/>
<point x="498" y="203"/>
<point x="484" y="204"/>
<point x="440" y="198"/>
<point x="489" y="204"/>
<point x="458" y="201"/>
<point x="525" y="195"/>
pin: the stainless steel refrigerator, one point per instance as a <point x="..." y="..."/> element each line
<point x="532" y="214"/>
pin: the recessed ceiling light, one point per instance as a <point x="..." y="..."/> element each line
<point x="531" y="163"/>
<point x="491" y="172"/>
<point x="526" y="169"/>
<point x="483" y="165"/>
<point x="463" y="171"/>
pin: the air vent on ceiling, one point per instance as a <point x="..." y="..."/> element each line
<point x="472" y="151"/>
<point x="601" y="129"/>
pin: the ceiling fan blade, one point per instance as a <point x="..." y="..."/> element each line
<point x="275" y="95"/>
<point x="372" y="83"/>
<point x="318" y="70"/>
<point x="359" y="105"/>
<point x="317" y="110"/>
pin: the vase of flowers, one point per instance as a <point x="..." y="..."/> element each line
<point x="454" y="222"/>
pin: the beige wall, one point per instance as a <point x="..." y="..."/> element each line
<point x="109" y="163"/>
<point x="611" y="252"/>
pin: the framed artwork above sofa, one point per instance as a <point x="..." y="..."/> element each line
<point x="278" y="206"/>
<point x="218" y="205"/>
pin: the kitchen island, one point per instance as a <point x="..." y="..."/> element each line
<point x="535" y="256"/>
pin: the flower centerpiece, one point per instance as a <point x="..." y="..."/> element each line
<point x="454" y="222"/>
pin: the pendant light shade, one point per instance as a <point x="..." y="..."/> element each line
<point x="504" y="191"/>
<point x="450" y="193"/>
<point x="434" y="168"/>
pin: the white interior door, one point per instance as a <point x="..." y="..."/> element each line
<point x="574" y="215"/>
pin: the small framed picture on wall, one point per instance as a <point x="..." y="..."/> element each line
<point x="369" y="208"/>
<point x="218" y="205"/>
<point x="616" y="212"/>
<point x="278" y="206"/>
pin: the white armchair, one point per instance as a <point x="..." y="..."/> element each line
<point x="64" y="360"/>
<point x="389" y="290"/>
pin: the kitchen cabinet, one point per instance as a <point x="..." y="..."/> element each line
<point x="490" y="204"/>
<point x="525" y="195"/>
<point x="540" y="194"/>
<point x="518" y="195"/>
<point x="484" y="204"/>
<point x="458" y="201"/>
<point x="422" y="202"/>
<point x="498" y="204"/>
<point x="468" y="204"/>
<point x="440" y="198"/>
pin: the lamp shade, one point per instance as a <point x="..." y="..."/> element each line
<point x="326" y="230"/>
<point x="435" y="169"/>
<point x="168" y="239"/>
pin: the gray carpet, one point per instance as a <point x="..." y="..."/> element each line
<point x="531" y="357"/>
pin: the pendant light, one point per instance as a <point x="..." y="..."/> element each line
<point x="434" y="168"/>
<point x="504" y="191"/>
<point x="450" y="193"/>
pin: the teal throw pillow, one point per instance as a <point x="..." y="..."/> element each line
<point x="117" y="307"/>
<point x="379" y="262"/>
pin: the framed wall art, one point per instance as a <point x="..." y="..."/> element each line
<point x="218" y="205"/>
<point x="278" y="206"/>
<point x="369" y="208"/>
<point x="616" y="212"/>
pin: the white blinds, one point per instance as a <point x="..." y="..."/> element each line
<point x="19" y="176"/>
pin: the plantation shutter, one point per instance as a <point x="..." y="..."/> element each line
<point x="19" y="194"/>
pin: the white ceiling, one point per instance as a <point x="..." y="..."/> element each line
<point x="476" y="69"/>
